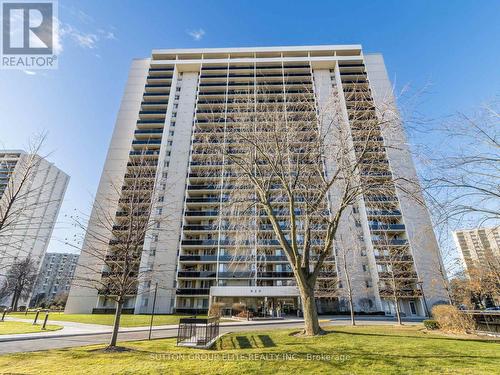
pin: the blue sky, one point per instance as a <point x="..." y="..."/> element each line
<point x="450" y="47"/>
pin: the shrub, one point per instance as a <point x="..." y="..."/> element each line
<point x="245" y="314"/>
<point x="238" y="307"/>
<point x="431" y="324"/>
<point x="449" y="318"/>
<point x="216" y="309"/>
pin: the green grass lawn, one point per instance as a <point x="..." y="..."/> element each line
<point x="344" y="350"/>
<point x="127" y="320"/>
<point x="9" y="327"/>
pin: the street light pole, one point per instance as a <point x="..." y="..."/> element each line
<point x="153" y="311"/>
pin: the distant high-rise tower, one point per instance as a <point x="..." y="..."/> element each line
<point x="30" y="220"/>
<point x="479" y="247"/>
<point x="170" y="101"/>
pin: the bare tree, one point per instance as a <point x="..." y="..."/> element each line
<point x="115" y="241"/>
<point x="397" y="272"/>
<point x="348" y="249"/>
<point x="19" y="281"/>
<point x="463" y="178"/>
<point x="347" y="259"/>
<point x="449" y="266"/>
<point x="294" y="169"/>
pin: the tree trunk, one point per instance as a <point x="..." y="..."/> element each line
<point x="351" y="308"/>
<point x="116" y="324"/>
<point x="311" y="322"/>
<point x="396" y="306"/>
<point x="15" y="301"/>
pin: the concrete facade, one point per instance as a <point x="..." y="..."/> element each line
<point x="170" y="96"/>
<point x="54" y="278"/>
<point x="479" y="247"/>
<point x="37" y="207"/>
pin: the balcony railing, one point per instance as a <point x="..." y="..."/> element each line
<point x="387" y="226"/>
<point x="191" y="291"/>
<point x="395" y="242"/>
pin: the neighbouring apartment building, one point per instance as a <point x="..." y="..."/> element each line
<point x="35" y="208"/>
<point x="171" y="101"/>
<point x="479" y="247"/>
<point x="54" y="278"/>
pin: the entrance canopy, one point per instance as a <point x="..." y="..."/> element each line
<point x="254" y="291"/>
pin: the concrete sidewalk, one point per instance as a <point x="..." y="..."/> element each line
<point x="74" y="329"/>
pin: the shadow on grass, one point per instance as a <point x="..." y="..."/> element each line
<point x="267" y="341"/>
<point x="250" y="342"/>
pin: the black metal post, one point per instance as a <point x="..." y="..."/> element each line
<point x="36" y="316"/>
<point x="45" y="320"/>
<point x="3" y="314"/>
<point x="153" y="312"/>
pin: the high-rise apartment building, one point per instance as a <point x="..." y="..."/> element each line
<point x="171" y="102"/>
<point x="479" y="247"/>
<point x="54" y="278"/>
<point x="30" y="219"/>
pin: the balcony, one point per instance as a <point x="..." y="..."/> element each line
<point x="380" y="199"/>
<point x="154" y="94"/>
<point x="198" y="258"/>
<point x="149" y="131"/>
<point x="383" y="213"/>
<point x="394" y="242"/>
<point x="387" y="227"/>
<point x="147" y="142"/>
<point x="159" y="102"/>
<point x="395" y="258"/>
<point x="201" y="213"/>
<point x="374" y="174"/>
<point x="151" y="113"/>
<point x="205" y="200"/>
<point x="193" y="291"/>
<point x="144" y="152"/>
<point x="161" y="69"/>
<point x="197" y="274"/>
<point x="200" y="242"/>
<point x="150" y="121"/>
<point x="159" y="76"/>
<point x="407" y="292"/>
<point x="200" y="227"/>
<point x="236" y="275"/>
<point x="274" y="274"/>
